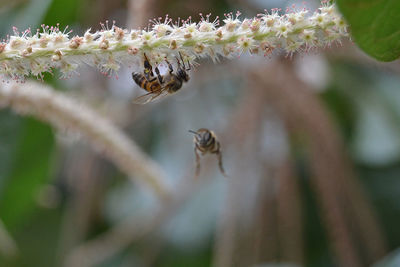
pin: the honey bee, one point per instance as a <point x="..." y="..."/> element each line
<point x="206" y="142"/>
<point x="160" y="85"/>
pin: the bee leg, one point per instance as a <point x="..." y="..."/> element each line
<point x="171" y="69"/>
<point x="148" y="69"/>
<point x="196" y="152"/>
<point x="177" y="60"/>
<point x="221" y="167"/>
<point x="159" y="77"/>
<point x="183" y="62"/>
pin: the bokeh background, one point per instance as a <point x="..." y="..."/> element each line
<point x="311" y="144"/>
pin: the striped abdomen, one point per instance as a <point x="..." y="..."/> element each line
<point x="150" y="86"/>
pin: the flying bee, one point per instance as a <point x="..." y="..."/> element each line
<point x="206" y="142"/>
<point x="160" y="85"/>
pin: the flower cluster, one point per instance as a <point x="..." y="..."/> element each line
<point x="50" y="48"/>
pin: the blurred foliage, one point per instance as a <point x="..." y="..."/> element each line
<point x="372" y="102"/>
<point x="29" y="169"/>
<point x="374" y="26"/>
<point x="37" y="237"/>
<point x="69" y="14"/>
<point x="22" y="15"/>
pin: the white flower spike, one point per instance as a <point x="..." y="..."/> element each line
<point x="26" y="54"/>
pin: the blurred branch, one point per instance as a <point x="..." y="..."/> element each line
<point x="274" y="217"/>
<point x="289" y="209"/>
<point x="67" y="114"/>
<point x="8" y="247"/>
<point x="286" y="96"/>
<point x="83" y="205"/>
<point x="332" y="176"/>
<point x="266" y="228"/>
<point x="139" y="12"/>
<point x="236" y="234"/>
<point x="106" y="245"/>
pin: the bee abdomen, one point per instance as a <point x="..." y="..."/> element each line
<point x="138" y="78"/>
<point x="176" y="85"/>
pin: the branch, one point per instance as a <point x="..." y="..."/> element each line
<point x="64" y="113"/>
<point x="24" y="54"/>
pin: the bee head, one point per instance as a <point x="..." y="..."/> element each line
<point x="202" y="136"/>
<point x="205" y="138"/>
<point x="182" y="74"/>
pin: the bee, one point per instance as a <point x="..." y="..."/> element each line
<point x="160" y="85"/>
<point x="206" y="142"/>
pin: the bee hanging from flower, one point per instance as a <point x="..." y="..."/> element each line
<point x="160" y="85"/>
<point x="206" y="142"/>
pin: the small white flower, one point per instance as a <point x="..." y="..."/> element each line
<point x="292" y="46"/>
<point x="332" y="36"/>
<point x="231" y="23"/>
<point x="245" y="25"/>
<point x="271" y="19"/>
<point x="319" y="19"/>
<point x="88" y="36"/>
<point x="109" y="67"/>
<point x="329" y="10"/>
<point x="245" y="43"/>
<point x="147" y="37"/>
<point x="17" y="42"/>
<point x="38" y="67"/>
<point x="67" y="69"/>
<point x="283" y="29"/>
<point x="341" y="25"/>
<point x="206" y="26"/>
<point x="162" y="29"/>
<point x="308" y="36"/>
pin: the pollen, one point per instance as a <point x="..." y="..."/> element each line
<point x="134" y="34"/>
<point x="132" y="50"/>
<point x="255" y="25"/>
<point x="57" y="56"/>
<point x="119" y="33"/>
<point x="206" y="26"/>
<point x="44" y="40"/>
<point x="173" y="45"/>
<point x="199" y="48"/>
<point x="104" y="44"/>
<point x="75" y="42"/>
<point x="27" y="51"/>
<point x="59" y="38"/>
<point x="88" y="36"/>
<point x="16" y="43"/>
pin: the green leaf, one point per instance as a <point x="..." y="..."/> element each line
<point x="63" y="12"/>
<point x="24" y="15"/>
<point x="28" y="169"/>
<point x="375" y="26"/>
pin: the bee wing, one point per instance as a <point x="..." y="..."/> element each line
<point x="149" y="97"/>
<point x="144" y="99"/>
